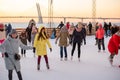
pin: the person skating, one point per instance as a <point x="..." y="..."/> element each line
<point x="41" y="39"/>
<point x="10" y="48"/>
<point x="78" y="36"/>
<point x="63" y="41"/>
<point x="2" y="34"/>
<point x="100" y="37"/>
<point x="113" y="46"/>
<point x="23" y="38"/>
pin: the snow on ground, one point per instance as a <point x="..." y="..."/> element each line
<point x="93" y="65"/>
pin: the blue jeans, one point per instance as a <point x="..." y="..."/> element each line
<point x="61" y="52"/>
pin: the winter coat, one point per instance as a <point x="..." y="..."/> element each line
<point x="33" y="33"/>
<point x="23" y="38"/>
<point x="113" y="44"/>
<point x="78" y="36"/>
<point x="11" y="46"/>
<point x="100" y="33"/>
<point x="2" y="32"/>
<point x="70" y="30"/>
<point x="29" y="30"/>
<point x="40" y="45"/>
<point x="64" y="36"/>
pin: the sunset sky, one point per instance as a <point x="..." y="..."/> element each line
<point x="73" y="8"/>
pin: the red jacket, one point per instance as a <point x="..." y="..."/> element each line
<point x="100" y="33"/>
<point x="113" y="44"/>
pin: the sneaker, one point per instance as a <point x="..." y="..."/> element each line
<point x="47" y="65"/>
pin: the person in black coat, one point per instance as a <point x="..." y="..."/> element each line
<point x="77" y="39"/>
<point x="8" y="28"/>
<point x="84" y="34"/>
<point x="60" y="25"/>
<point x="90" y="28"/>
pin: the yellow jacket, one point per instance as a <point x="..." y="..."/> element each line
<point x="41" y="44"/>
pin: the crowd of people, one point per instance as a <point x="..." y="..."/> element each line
<point x="69" y="35"/>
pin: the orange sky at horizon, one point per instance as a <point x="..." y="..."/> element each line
<point x="73" y="8"/>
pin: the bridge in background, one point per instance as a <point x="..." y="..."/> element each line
<point x="64" y="18"/>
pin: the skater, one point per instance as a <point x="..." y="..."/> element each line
<point x="100" y="37"/>
<point x="96" y="28"/>
<point x="113" y="46"/>
<point x="2" y="35"/>
<point x="33" y="33"/>
<point x="8" y="29"/>
<point x="60" y="25"/>
<point x="41" y="39"/>
<point x="63" y="42"/>
<point x="77" y="39"/>
<point x="10" y="48"/>
<point x="84" y="32"/>
<point x="23" y="38"/>
<point x="70" y="30"/>
<point x="90" y="28"/>
<point x="53" y="35"/>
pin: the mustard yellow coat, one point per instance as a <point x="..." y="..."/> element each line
<point x="41" y="45"/>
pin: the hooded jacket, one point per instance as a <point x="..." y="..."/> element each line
<point x="114" y="43"/>
<point x="63" y="36"/>
<point x="40" y="45"/>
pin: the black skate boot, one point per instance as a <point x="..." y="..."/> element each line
<point x="38" y="67"/>
<point x="47" y="65"/>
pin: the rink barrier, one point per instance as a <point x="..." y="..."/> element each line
<point x="49" y="31"/>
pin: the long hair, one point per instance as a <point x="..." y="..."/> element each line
<point x="42" y="35"/>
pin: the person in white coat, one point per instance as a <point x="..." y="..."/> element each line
<point x="10" y="47"/>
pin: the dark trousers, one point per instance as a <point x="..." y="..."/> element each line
<point x="71" y="36"/>
<point x="10" y="72"/>
<point x="46" y="59"/>
<point x="61" y="52"/>
<point x="23" y="51"/>
<point x="79" y="49"/>
<point x="84" y="39"/>
<point x="101" y="42"/>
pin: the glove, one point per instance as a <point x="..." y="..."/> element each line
<point x="6" y="54"/>
<point x="50" y="49"/>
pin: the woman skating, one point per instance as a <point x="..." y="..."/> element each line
<point x="78" y="36"/>
<point x="41" y="39"/>
<point x="11" y="48"/>
<point x="63" y="42"/>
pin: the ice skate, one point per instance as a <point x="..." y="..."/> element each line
<point x="71" y="57"/>
<point x="61" y="59"/>
<point x="47" y="65"/>
<point x="79" y="59"/>
<point x="111" y="61"/>
<point x="65" y="59"/>
<point x="98" y="50"/>
<point x="38" y="67"/>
